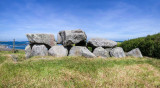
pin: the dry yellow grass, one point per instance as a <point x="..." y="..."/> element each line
<point x="79" y="72"/>
<point x="129" y="76"/>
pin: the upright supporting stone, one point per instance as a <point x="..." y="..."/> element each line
<point x="135" y="52"/>
<point x="117" y="52"/>
<point x="39" y="50"/>
<point x="101" y="52"/>
<point x="28" y="51"/>
<point x="81" y="51"/>
<point x="58" y="51"/>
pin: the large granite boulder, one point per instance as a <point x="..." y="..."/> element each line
<point x="47" y="39"/>
<point x="101" y="52"/>
<point x="39" y="50"/>
<point x="117" y="52"/>
<point x="101" y="42"/>
<point x="135" y="52"/>
<point x="28" y="51"/>
<point x="70" y="37"/>
<point x="58" y="51"/>
<point x="81" y="51"/>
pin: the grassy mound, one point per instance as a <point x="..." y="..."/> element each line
<point x="78" y="72"/>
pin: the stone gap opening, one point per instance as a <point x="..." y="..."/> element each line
<point x="47" y="46"/>
<point x="81" y="43"/>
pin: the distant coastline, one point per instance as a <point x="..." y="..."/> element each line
<point x="4" y="41"/>
<point x="19" y="44"/>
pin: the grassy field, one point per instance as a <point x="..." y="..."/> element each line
<point x="78" y="72"/>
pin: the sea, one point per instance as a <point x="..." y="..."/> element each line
<point x="19" y="44"/>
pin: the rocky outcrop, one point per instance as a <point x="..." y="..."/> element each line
<point x="39" y="50"/>
<point x="28" y="51"/>
<point x="101" y="42"/>
<point x="58" y="51"/>
<point x="74" y="44"/>
<point x="39" y="44"/>
<point x="47" y="39"/>
<point x="81" y="51"/>
<point x="101" y="52"/>
<point x="70" y="37"/>
<point x="135" y="52"/>
<point x="117" y="52"/>
<point x="4" y="48"/>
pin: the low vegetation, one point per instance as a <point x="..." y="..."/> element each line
<point x="78" y="72"/>
<point x="149" y="46"/>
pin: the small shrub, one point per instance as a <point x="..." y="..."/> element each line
<point x="118" y="44"/>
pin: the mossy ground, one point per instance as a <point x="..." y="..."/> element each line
<point x="78" y="72"/>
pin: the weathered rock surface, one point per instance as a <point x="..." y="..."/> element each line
<point x="108" y="49"/>
<point x="39" y="50"/>
<point x="117" y="52"/>
<point x="58" y="51"/>
<point x="14" y="57"/>
<point x="59" y="38"/>
<point x="4" y="48"/>
<point x="28" y="51"/>
<point x="135" y="52"/>
<point x="69" y="37"/>
<point x="101" y="42"/>
<point x="47" y="39"/>
<point x="81" y="51"/>
<point x="101" y="52"/>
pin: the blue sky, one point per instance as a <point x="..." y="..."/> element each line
<point x="112" y="19"/>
